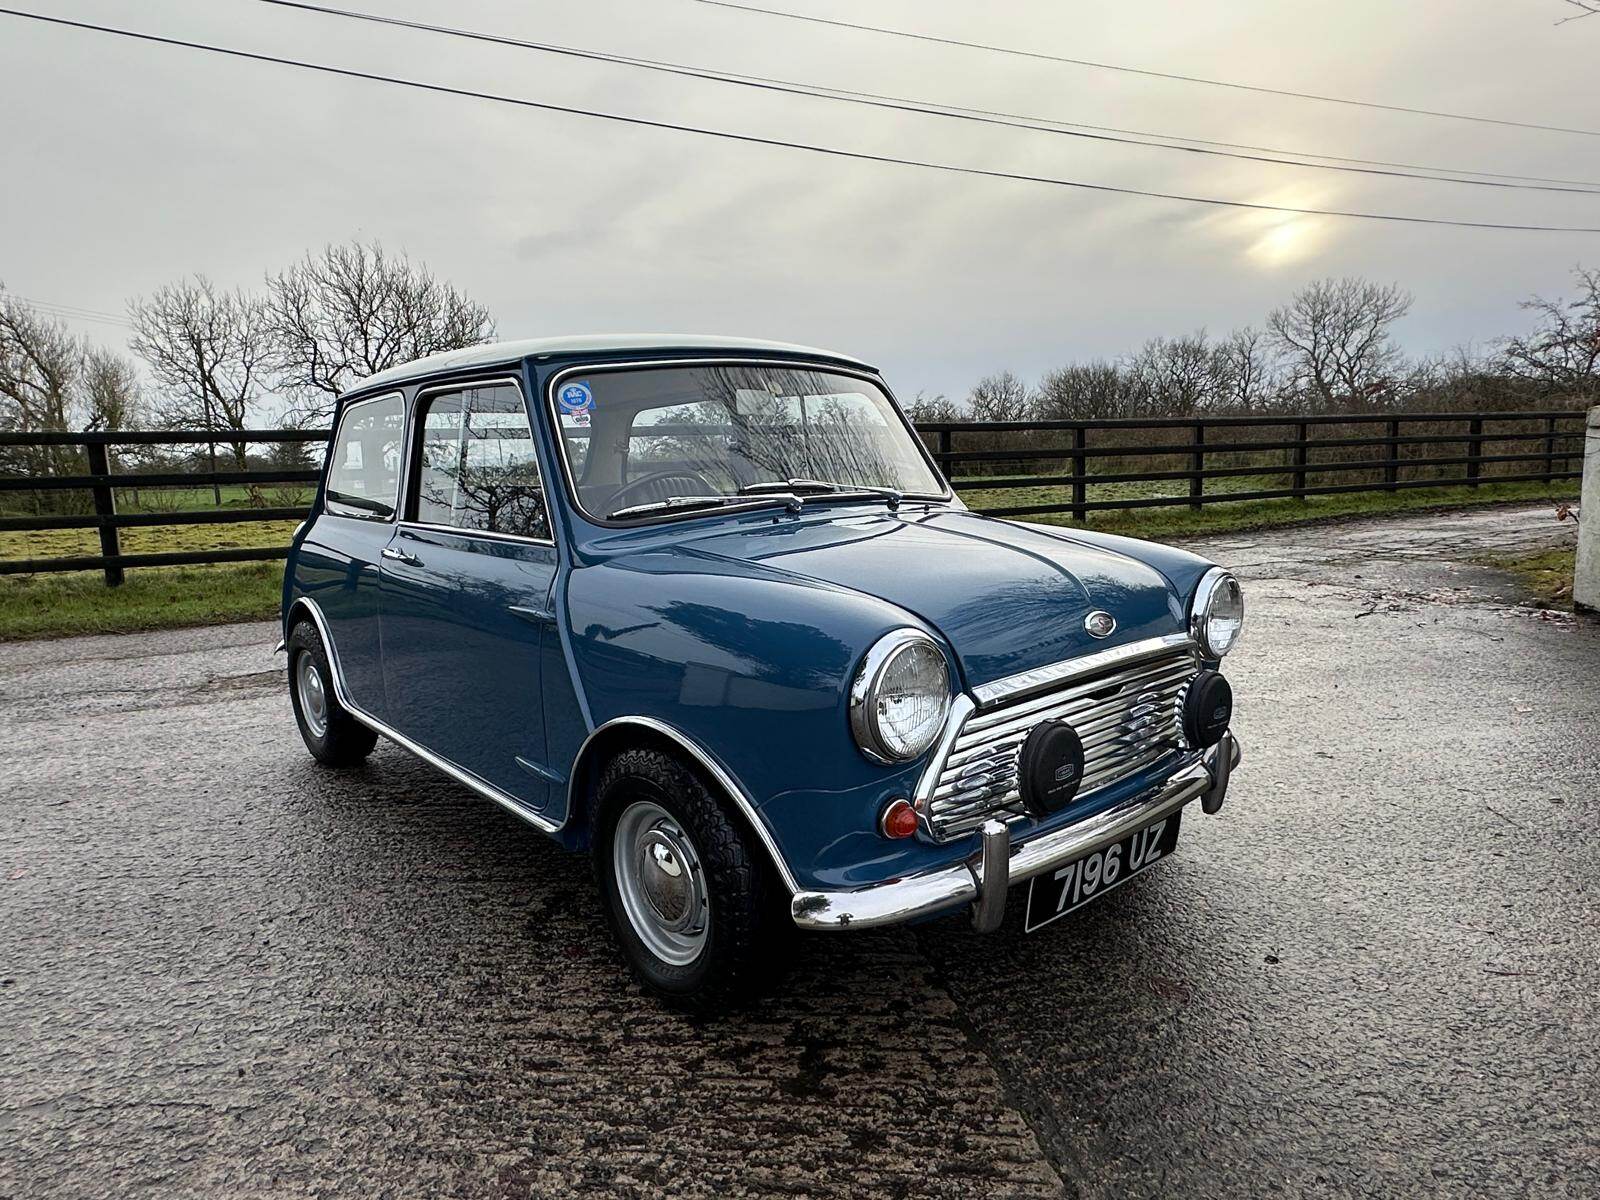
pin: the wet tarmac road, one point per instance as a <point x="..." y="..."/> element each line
<point x="227" y="972"/>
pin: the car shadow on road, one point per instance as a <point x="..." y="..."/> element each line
<point x="472" y="949"/>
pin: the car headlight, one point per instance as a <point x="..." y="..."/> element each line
<point x="1217" y="618"/>
<point x="900" y="697"/>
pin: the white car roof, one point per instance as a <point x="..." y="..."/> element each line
<point x="507" y="353"/>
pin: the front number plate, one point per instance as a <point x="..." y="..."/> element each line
<point x="1056" y="893"/>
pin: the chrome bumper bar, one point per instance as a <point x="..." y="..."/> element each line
<point x="983" y="880"/>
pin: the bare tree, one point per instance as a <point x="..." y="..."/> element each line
<point x="1176" y="375"/>
<point x="53" y="382"/>
<point x="1091" y="391"/>
<point x="937" y="407"/>
<point x="1001" y="397"/>
<point x="1563" y="351"/>
<point x="1246" y="372"/>
<point x="208" y="351"/>
<point x="1586" y="8"/>
<point x="40" y="366"/>
<point x="352" y="311"/>
<point x="1336" y="339"/>
<point x="110" y="388"/>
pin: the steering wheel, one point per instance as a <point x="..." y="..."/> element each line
<point x="661" y="485"/>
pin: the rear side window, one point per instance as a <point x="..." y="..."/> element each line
<point x="477" y="469"/>
<point x="364" y="463"/>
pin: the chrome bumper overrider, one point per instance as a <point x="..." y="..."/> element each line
<point x="982" y="881"/>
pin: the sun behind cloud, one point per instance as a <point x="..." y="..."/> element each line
<point x="1288" y="239"/>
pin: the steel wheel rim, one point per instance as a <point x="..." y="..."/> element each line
<point x="313" y="695"/>
<point x="661" y="883"/>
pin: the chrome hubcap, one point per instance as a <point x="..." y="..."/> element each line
<point x="313" y="696"/>
<point x="661" y="883"/>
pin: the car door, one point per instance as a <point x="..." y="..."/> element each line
<point x="465" y="590"/>
<point x="337" y="566"/>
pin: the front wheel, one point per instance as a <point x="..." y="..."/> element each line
<point x="334" y="737"/>
<point x="685" y="892"/>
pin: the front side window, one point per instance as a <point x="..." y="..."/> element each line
<point x="477" y="469"/>
<point x="364" y="460"/>
<point x="645" y="440"/>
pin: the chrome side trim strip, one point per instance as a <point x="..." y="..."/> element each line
<point x="1014" y="687"/>
<point x="713" y="768"/>
<point x="461" y="775"/>
<point x="944" y="888"/>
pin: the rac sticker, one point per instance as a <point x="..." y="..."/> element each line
<point x="575" y="398"/>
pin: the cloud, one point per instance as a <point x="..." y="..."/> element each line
<point x="131" y="165"/>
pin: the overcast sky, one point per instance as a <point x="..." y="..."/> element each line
<point x="127" y="165"/>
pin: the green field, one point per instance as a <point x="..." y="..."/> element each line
<point x="49" y="605"/>
<point x="1182" y="521"/>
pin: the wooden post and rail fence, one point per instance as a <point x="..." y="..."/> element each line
<point x="1292" y="456"/>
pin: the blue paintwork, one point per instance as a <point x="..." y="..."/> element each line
<point x="741" y="631"/>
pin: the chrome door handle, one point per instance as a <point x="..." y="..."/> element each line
<point x="399" y="555"/>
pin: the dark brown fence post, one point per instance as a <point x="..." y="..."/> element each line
<point x="1080" y="468"/>
<point x="105" y="505"/>
<point x="1197" y="464"/>
<point x="1550" y="448"/>
<point x="1474" y="450"/>
<point x="1301" y="433"/>
<point x="1391" y="468"/>
<point x="944" y="453"/>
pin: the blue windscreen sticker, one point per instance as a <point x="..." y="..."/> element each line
<point x="575" y="398"/>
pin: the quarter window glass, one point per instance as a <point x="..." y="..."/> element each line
<point x="364" y="464"/>
<point x="476" y="466"/>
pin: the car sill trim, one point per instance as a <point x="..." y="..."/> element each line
<point x="460" y="774"/>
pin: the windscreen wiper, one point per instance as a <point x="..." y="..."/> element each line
<point x="688" y="503"/>
<point x="826" y="486"/>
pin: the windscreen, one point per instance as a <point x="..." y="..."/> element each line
<point x="643" y="439"/>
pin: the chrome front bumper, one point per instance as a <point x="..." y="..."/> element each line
<point x="983" y="880"/>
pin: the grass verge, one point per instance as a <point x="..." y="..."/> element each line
<point x="33" y="606"/>
<point x="1547" y="575"/>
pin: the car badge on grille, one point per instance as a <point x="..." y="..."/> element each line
<point x="1100" y="624"/>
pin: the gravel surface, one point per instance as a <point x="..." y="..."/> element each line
<point x="228" y="972"/>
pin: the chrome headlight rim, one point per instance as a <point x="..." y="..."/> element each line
<point x="864" y="692"/>
<point x="1213" y="584"/>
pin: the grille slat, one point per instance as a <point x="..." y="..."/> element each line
<point x="1080" y="695"/>
<point x="1128" y="719"/>
<point x="1109" y="716"/>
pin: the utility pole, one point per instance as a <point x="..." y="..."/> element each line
<point x="1586" y="585"/>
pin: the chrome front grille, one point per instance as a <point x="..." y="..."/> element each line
<point x="1127" y="717"/>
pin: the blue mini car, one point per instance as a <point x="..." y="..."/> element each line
<point x="707" y="608"/>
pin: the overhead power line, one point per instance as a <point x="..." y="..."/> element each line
<point x="1177" y="77"/>
<point x="68" y="312"/>
<point x="781" y="143"/>
<point x="938" y="109"/>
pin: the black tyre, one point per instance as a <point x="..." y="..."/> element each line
<point x="686" y="893"/>
<point x="334" y="737"/>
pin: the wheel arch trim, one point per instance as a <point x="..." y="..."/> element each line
<point x="720" y="776"/>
